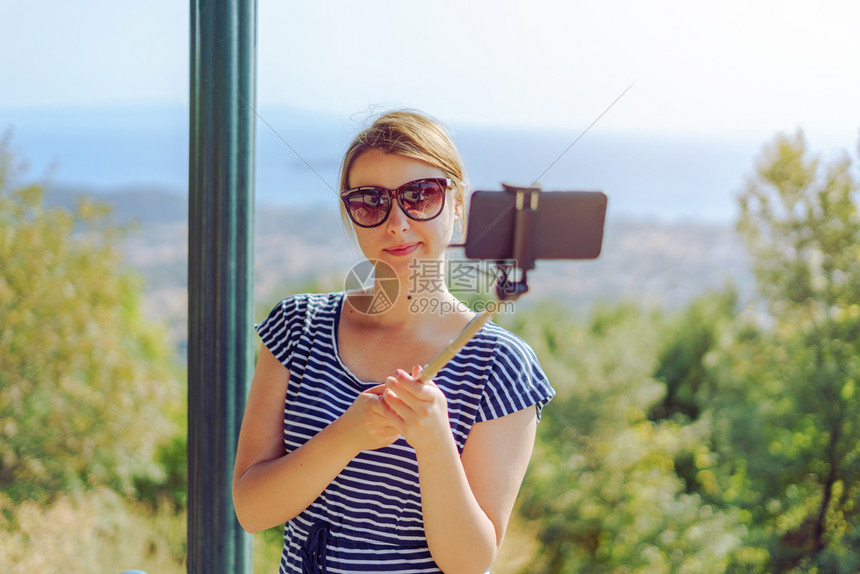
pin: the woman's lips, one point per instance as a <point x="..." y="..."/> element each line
<point x="400" y="250"/>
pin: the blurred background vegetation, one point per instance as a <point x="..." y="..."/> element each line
<point x="719" y="437"/>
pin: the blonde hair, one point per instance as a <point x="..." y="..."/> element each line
<point x="411" y="134"/>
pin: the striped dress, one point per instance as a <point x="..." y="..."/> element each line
<point x="369" y="518"/>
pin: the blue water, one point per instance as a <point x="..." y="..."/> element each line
<point x="653" y="176"/>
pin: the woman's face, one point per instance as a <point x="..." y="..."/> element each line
<point x="400" y="240"/>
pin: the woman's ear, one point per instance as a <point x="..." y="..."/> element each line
<point x="459" y="210"/>
<point x="459" y="220"/>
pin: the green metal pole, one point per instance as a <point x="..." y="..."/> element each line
<point x="220" y="266"/>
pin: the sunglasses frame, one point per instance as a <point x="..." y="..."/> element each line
<point x="395" y="194"/>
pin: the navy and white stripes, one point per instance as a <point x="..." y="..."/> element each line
<point x="370" y="515"/>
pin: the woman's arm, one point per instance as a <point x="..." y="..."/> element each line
<point x="466" y="499"/>
<point x="270" y="487"/>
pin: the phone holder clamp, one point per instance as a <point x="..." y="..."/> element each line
<point x="525" y="210"/>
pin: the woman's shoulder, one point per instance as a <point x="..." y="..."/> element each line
<point x="315" y="299"/>
<point x="516" y="379"/>
<point x="309" y="303"/>
<point x="301" y="309"/>
<point x="507" y="343"/>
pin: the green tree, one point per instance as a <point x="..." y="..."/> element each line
<point x="685" y="343"/>
<point x="801" y="226"/>
<point x="602" y="493"/>
<point x="786" y="407"/>
<point x="88" y="388"/>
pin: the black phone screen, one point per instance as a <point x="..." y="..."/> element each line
<point x="566" y="225"/>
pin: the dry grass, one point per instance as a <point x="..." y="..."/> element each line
<point x="99" y="531"/>
<point x="517" y="549"/>
<point x="96" y="531"/>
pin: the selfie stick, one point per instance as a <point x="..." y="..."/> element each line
<point x="525" y="207"/>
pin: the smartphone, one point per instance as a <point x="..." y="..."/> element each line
<point x="565" y="225"/>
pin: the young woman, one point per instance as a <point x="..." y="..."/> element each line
<point x="371" y="469"/>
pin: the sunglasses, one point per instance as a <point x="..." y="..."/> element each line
<point x="421" y="200"/>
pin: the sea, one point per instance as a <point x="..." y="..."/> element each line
<point x="666" y="177"/>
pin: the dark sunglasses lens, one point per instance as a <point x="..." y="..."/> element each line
<point x="423" y="199"/>
<point x="368" y="207"/>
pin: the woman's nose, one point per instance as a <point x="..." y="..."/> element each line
<point x="397" y="219"/>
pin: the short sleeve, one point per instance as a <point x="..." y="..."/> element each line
<point x="516" y="380"/>
<point x="280" y="331"/>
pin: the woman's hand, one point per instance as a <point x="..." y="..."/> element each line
<point x="366" y="425"/>
<point x="418" y="411"/>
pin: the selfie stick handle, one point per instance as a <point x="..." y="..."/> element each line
<point x="440" y="360"/>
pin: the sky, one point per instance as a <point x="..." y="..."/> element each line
<point x="697" y="66"/>
<point x="729" y="70"/>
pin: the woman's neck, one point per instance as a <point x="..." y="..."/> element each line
<point x="410" y="309"/>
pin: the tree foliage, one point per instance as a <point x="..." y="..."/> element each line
<point x="800" y="223"/>
<point x="794" y="412"/>
<point x="87" y="391"/>
<point x="715" y="440"/>
<point x="685" y="342"/>
<point x="602" y="492"/>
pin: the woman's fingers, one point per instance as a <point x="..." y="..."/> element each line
<point x="376" y="390"/>
<point x="410" y="389"/>
<point x="372" y="423"/>
<point x="393" y="404"/>
<point x="418" y="410"/>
